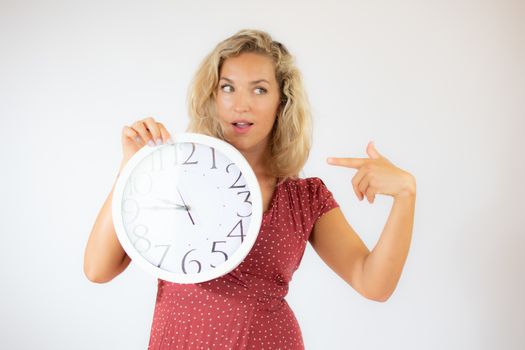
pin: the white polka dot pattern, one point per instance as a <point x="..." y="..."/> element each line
<point x="246" y="309"/>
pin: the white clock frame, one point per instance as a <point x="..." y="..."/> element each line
<point x="255" y="220"/>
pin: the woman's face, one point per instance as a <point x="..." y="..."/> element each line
<point x="247" y="100"/>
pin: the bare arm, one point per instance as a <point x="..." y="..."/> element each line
<point x="383" y="266"/>
<point x="373" y="274"/>
<point x="104" y="257"/>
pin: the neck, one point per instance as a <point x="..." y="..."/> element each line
<point x="259" y="160"/>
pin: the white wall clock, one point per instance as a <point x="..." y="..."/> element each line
<point x="188" y="212"/>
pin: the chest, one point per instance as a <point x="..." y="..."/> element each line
<point x="267" y="192"/>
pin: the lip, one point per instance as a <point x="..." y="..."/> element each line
<point x="242" y="121"/>
<point x="239" y="130"/>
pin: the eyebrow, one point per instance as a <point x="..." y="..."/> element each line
<point x="253" y="82"/>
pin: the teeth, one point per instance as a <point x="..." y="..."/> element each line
<point x="242" y="124"/>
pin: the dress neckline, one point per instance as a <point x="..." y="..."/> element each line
<point x="274" y="198"/>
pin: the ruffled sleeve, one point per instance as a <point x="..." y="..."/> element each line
<point x="322" y="200"/>
<point x="315" y="201"/>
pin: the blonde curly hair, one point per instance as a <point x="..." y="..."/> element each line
<point x="290" y="141"/>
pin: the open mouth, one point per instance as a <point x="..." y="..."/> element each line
<point x="243" y="125"/>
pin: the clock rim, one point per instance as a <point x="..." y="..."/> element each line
<point x="255" y="221"/>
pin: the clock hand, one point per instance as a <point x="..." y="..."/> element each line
<point x="187" y="208"/>
<point x="179" y="206"/>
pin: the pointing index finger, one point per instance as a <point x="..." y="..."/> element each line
<point x="355" y="163"/>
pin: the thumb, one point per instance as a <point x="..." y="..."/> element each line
<point x="372" y="151"/>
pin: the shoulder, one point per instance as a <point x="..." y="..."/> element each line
<point x="312" y="190"/>
<point x="308" y="198"/>
<point x="309" y="185"/>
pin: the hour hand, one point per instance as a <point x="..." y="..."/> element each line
<point x="187" y="207"/>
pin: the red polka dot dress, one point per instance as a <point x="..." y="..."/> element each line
<point x="246" y="309"/>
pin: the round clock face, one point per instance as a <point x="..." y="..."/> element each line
<point x="187" y="212"/>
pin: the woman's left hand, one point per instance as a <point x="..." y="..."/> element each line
<point x="377" y="175"/>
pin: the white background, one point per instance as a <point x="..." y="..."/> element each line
<point x="438" y="85"/>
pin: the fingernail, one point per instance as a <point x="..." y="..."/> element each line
<point x="138" y="139"/>
<point x="150" y="143"/>
<point x="170" y="141"/>
<point x="329" y="160"/>
<point x="158" y="142"/>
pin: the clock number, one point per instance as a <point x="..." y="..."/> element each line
<point x="141" y="184"/>
<point x="175" y="154"/>
<point x="214" y="166"/>
<point x="218" y="251"/>
<point x="140" y="231"/>
<point x="239" y="224"/>
<point x="187" y="162"/>
<point x="130" y="210"/>
<point x="168" y="246"/>
<point x="128" y="190"/>
<point x="245" y="201"/>
<point x="156" y="161"/>
<point x="184" y="262"/>
<point x="238" y="178"/>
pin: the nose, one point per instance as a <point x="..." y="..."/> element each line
<point x="241" y="103"/>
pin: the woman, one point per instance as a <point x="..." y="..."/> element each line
<point x="248" y="92"/>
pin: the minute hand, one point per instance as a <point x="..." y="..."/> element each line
<point x="187" y="208"/>
<point x="177" y="205"/>
<point x="157" y="207"/>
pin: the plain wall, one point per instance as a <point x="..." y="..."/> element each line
<point x="438" y="85"/>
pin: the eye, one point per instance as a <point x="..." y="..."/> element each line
<point x="227" y="88"/>
<point x="261" y="90"/>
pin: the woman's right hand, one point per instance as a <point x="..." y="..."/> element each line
<point x="145" y="131"/>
